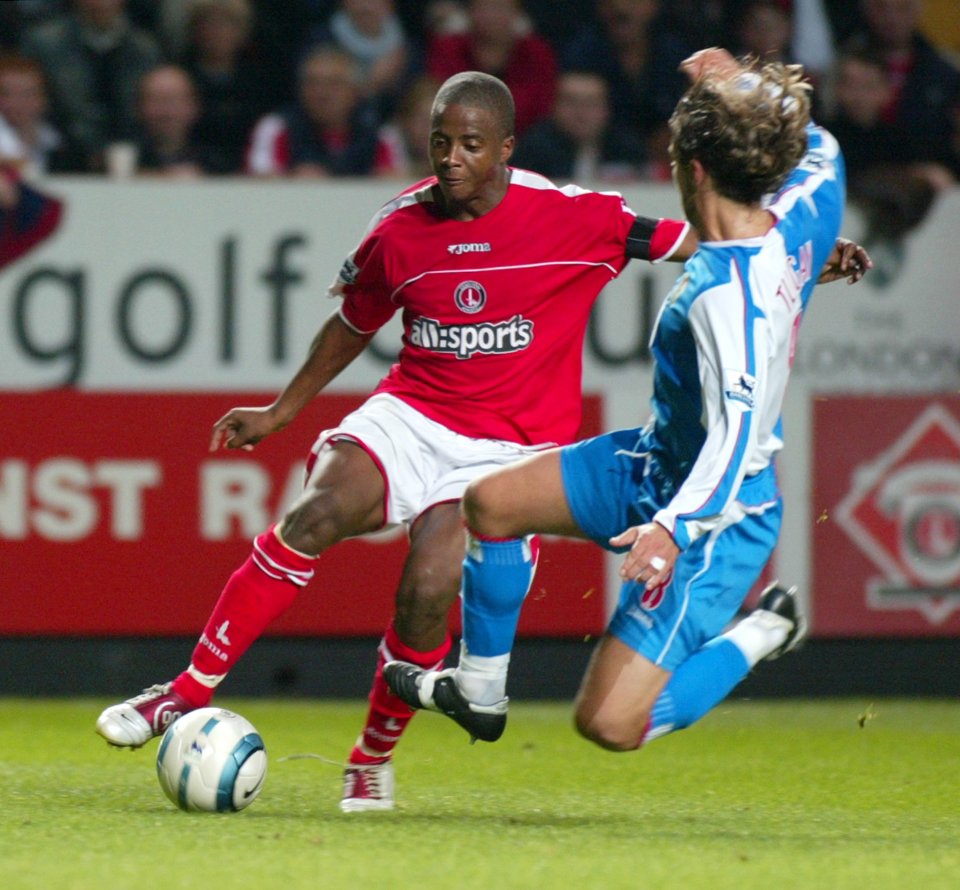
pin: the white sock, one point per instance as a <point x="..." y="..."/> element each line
<point x="482" y="680"/>
<point x="759" y="634"/>
<point x="211" y="681"/>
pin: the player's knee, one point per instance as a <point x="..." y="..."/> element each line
<point x="608" y="731"/>
<point x="484" y="509"/>
<point x="314" y="522"/>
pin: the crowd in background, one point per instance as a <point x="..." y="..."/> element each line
<point x="317" y="88"/>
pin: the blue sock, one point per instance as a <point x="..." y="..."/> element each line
<point x="496" y="578"/>
<point x="704" y="680"/>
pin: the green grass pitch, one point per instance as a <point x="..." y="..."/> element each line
<point x="786" y="794"/>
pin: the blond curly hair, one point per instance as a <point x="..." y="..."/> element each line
<point x="748" y="131"/>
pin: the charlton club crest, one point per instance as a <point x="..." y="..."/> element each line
<point x="903" y="512"/>
<point x="470" y="297"/>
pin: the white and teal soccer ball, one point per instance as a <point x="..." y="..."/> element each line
<point x="211" y="760"/>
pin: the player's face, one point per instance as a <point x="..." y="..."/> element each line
<point x="468" y="154"/>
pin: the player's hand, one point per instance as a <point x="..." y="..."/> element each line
<point x="713" y="60"/>
<point x="243" y="428"/>
<point x="652" y="554"/>
<point x="848" y="260"/>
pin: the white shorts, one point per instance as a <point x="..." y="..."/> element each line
<point x="423" y="463"/>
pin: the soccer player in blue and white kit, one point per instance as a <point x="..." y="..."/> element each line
<point x="692" y="496"/>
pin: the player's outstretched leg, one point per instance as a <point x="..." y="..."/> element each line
<point x="497" y="574"/>
<point x="368" y="778"/>
<point x="707" y="677"/>
<point x="437" y="691"/>
<point x="258" y="592"/>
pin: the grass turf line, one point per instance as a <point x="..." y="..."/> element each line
<point x="786" y="794"/>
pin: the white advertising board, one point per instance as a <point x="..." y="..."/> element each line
<point x="220" y="285"/>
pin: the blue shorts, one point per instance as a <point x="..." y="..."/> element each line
<point x="611" y="485"/>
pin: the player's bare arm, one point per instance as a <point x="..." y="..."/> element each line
<point x="713" y="61"/>
<point x="334" y="347"/>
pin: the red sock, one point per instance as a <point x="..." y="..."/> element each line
<point x="388" y="715"/>
<point x="262" y="588"/>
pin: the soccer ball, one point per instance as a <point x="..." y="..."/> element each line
<point x="211" y="760"/>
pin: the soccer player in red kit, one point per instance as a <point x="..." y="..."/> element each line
<point x="495" y="271"/>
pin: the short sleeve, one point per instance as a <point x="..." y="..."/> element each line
<point x="367" y="303"/>
<point x="655" y="240"/>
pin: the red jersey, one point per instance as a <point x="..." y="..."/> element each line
<point x="495" y="309"/>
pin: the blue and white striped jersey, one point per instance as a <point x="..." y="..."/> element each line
<point x="724" y="343"/>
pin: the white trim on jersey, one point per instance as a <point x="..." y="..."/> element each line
<point x="529" y="179"/>
<point x="519" y="177"/>
<point x="423" y="195"/>
<point x="347" y="322"/>
<point x="673" y="247"/>
<point x="499" y="269"/>
<point x="532" y="180"/>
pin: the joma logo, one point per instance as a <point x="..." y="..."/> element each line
<point x="470" y="247"/>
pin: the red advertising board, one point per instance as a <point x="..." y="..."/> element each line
<point x="886" y="490"/>
<point x="115" y="519"/>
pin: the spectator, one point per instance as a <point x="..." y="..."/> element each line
<point x="28" y="141"/>
<point x="844" y="16"/>
<point x="402" y="142"/>
<point x="812" y="41"/>
<point x="279" y="29"/>
<point x="925" y="87"/>
<point x="276" y="30"/>
<point x="893" y="193"/>
<point x="558" y="20"/>
<point x="168" y="111"/>
<point x="702" y="22"/>
<point x="444" y="17"/>
<point x="93" y="59"/>
<point x="11" y="25"/>
<point x="783" y="30"/>
<point x="499" y="40"/>
<point x="370" y="31"/>
<point x="329" y="131"/>
<point x="19" y="17"/>
<point x="27" y="216"/>
<point x="233" y="85"/>
<point x="576" y="143"/>
<point x="861" y="92"/>
<point x="762" y="29"/>
<point x="639" y="57"/>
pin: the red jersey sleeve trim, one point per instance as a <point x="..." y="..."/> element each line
<point x="654" y="239"/>
<point x="667" y="237"/>
<point x="351" y="325"/>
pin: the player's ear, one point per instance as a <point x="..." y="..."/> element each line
<point x="506" y="149"/>
<point x="698" y="172"/>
